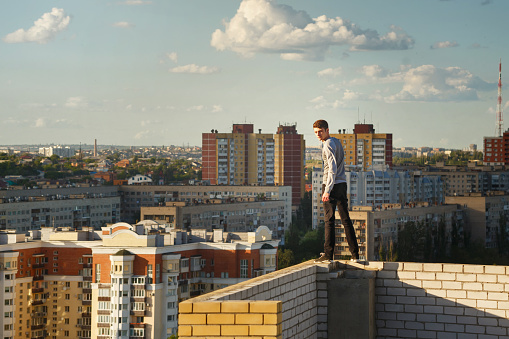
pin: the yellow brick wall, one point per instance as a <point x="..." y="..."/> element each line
<point x="230" y="319"/>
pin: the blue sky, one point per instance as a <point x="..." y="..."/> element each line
<point x="162" y="72"/>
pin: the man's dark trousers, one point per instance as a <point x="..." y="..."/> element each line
<point x="338" y="198"/>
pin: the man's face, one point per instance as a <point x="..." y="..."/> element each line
<point x="321" y="133"/>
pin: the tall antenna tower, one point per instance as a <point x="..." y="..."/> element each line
<point x="500" y="120"/>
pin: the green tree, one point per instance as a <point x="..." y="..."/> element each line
<point x="285" y="258"/>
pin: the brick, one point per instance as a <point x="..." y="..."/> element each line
<point x="433" y="267"/>
<point x="494" y="269"/>
<point x="498" y="296"/>
<point x="234" y="306"/>
<point x="487" y="278"/>
<point x="426" y="301"/>
<point x="475" y="286"/>
<point x="474" y="329"/>
<point x="446" y="276"/>
<point x="434" y="326"/>
<point x="465" y="277"/>
<point x="487" y="321"/>
<point x="434" y="309"/>
<point x="446" y="335"/>
<point x="406" y="275"/>
<point x="503" y="279"/>
<point x="425" y="275"/>
<point x="452" y="285"/>
<point x="407" y="333"/>
<point x="186" y="307"/>
<point x="206" y="330"/>
<point x="249" y="319"/>
<point x="396" y="291"/>
<point x="412" y="283"/>
<point x="503" y="305"/>
<point x="455" y="328"/>
<point x="477" y="295"/>
<point x="454" y="310"/>
<point x="473" y="269"/>
<point x="453" y="268"/>
<point x="431" y="284"/>
<point x="436" y="293"/>
<point x="415" y="292"/>
<point x="395" y="324"/>
<point x="265" y="330"/>
<point x="412" y="267"/>
<point x="386" y="274"/>
<point x="234" y="330"/>
<point x="496" y="330"/>
<point x="207" y="307"/>
<point x="272" y="319"/>
<point x="265" y="306"/>
<point x="487" y="304"/>
<point x="406" y="300"/>
<point x="426" y="334"/>
<point x="406" y="316"/>
<point x="412" y="325"/>
<point x="192" y="319"/>
<point x="220" y="319"/>
<point x="184" y="330"/>
<point x="493" y="287"/>
<point x="457" y="294"/>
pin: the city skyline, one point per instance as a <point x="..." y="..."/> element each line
<point x="162" y="72"/>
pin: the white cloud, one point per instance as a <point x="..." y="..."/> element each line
<point x="196" y="108"/>
<point x="135" y="2"/>
<point x="172" y="56"/>
<point x="374" y="71"/>
<point x="123" y="24"/>
<point x="141" y="135"/>
<point x="263" y="26"/>
<point x="40" y="123"/>
<point x="217" y="108"/>
<point x="43" y="30"/>
<point x="429" y="83"/>
<point x="76" y="102"/>
<point x="330" y="72"/>
<point x="321" y="102"/>
<point x="194" y="69"/>
<point x="129" y="107"/>
<point x="444" y="44"/>
<point x="351" y="95"/>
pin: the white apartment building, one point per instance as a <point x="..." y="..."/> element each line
<point x="375" y="188"/>
<point x="64" y="152"/>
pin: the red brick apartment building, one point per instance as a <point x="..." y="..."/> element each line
<point x="121" y="282"/>
<point x="243" y="157"/>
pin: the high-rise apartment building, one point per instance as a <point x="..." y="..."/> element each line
<point x="120" y="282"/>
<point x="247" y="158"/>
<point x="366" y="149"/>
<point x="495" y="150"/>
<point x="379" y="188"/>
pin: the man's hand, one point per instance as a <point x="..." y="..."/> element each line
<point x="325" y="196"/>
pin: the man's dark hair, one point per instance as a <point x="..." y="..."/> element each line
<point x="321" y="124"/>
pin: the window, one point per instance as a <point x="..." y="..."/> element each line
<point x="243" y="268"/>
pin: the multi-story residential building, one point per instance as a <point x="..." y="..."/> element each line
<point x="482" y="214"/>
<point x="247" y="158"/>
<point x="375" y="188"/>
<point x="134" y="197"/>
<point x="65" y="152"/>
<point x="495" y="150"/>
<point x="227" y="215"/>
<point x="75" y="207"/>
<point x="118" y="282"/>
<point x="366" y="149"/>
<point x="377" y="227"/>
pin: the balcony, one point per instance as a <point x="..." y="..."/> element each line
<point x="37" y="302"/>
<point x="86" y="302"/>
<point x="37" y="327"/>
<point x="137" y="325"/>
<point x="37" y="290"/>
<point x="38" y="277"/>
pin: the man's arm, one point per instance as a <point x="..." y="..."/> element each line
<point x="332" y="167"/>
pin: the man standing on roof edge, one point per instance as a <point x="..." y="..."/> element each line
<point x="334" y="192"/>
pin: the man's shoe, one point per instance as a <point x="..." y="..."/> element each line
<point x="355" y="258"/>
<point x="323" y="260"/>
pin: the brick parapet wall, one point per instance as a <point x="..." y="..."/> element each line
<point x="415" y="300"/>
<point x="296" y="288"/>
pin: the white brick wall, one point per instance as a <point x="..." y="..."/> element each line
<point x="442" y="301"/>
